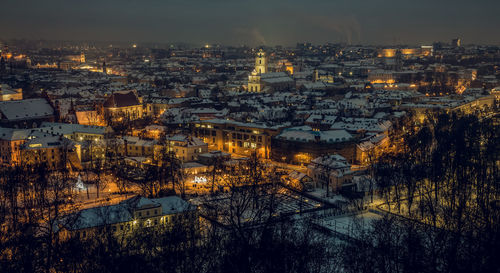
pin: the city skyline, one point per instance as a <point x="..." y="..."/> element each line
<point x="253" y="23"/>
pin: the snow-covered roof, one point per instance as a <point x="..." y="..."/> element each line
<point x="25" y="109"/>
<point x="310" y="135"/>
<point x="123" y="212"/>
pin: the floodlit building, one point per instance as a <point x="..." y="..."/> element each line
<point x="236" y="137"/>
<point x="124" y="105"/>
<point x="186" y="148"/>
<point x="55" y="152"/>
<point x="299" y="145"/>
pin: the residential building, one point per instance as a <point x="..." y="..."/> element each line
<point x="330" y="170"/>
<point x="131" y="215"/>
<point x="28" y="113"/>
<point x="236" y="137"/>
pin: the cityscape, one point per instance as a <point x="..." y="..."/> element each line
<point x="252" y="154"/>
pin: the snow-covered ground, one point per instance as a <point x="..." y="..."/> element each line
<point x="349" y="225"/>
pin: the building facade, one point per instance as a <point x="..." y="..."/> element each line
<point x="236" y="137"/>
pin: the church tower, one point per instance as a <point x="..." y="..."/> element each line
<point x="82" y="57"/>
<point x="261" y="62"/>
<point x="254" y="84"/>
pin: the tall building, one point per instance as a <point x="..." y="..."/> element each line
<point x="456" y="42"/>
<point x="254" y="84"/>
<point x="82" y="57"/>
<point x="261" y="62"/>
<point x="262" y="80"/>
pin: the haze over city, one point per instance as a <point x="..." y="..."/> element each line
<point x="253" y="22"/>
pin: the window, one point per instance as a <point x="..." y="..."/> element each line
<point x="140" y="214"/>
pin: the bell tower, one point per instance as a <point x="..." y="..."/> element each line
<point x="82" y="57"/>
<point x="261" y="62"/>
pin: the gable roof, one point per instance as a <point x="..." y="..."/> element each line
<point x="122" y="99"/>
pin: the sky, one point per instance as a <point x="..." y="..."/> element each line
<point x="253" y="22"/>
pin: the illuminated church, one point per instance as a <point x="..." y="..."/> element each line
<point x="261" y="79"/>
<point x="254" y="84"/>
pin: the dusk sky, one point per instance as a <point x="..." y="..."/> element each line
<point x="255" y="22"/>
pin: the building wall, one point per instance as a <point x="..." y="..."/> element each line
<point x="241" y="140"/>
<point x="16" y="96"/>
<point x="296" y="152"/>
<point x="10" y="152"/>
<point x="52" y="157"/>
<point x="336" y="181"/>
<point x="132" y="112"/>
<point x="154" y="220"/>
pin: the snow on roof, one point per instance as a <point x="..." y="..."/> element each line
<point x="139" y="202"/>
<point x="174" y="204"/>
<point x="26" y="109"/>
<point x="46" y="142"/>
<point x="309" y="135"/>
<point x="67" y="129"/>
<point x="123" y="212"/>
<point x="297" y="175"/>
<point x="321" y="119"/>
<point x="187" y="140"/>
<point x="334" y="161"/>
<point x="14" y="134"/>
<point x="99" y="216"/>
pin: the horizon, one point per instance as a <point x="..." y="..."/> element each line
<point x="149" y="44"/>
<point x="257" y="23"/>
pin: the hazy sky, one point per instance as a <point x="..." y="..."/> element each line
<point x="253" y="22"/>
